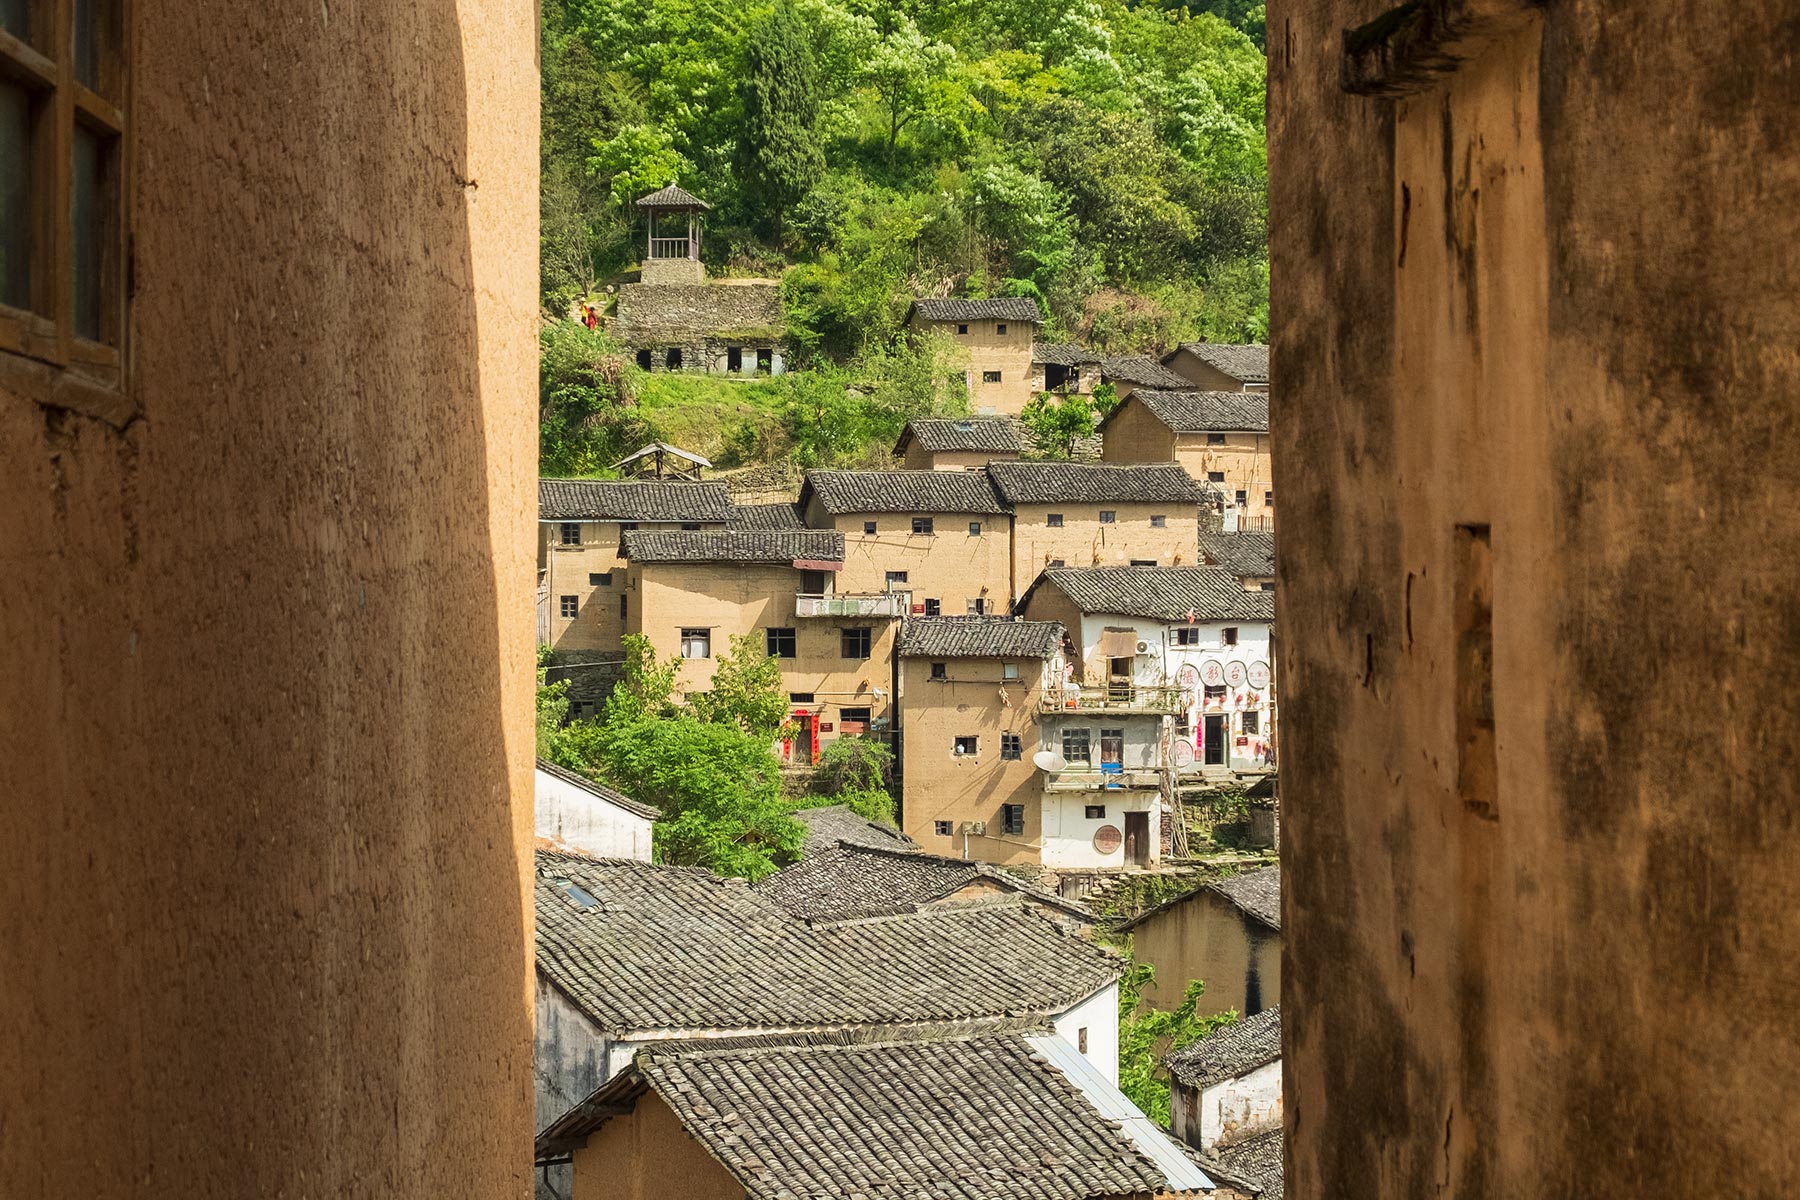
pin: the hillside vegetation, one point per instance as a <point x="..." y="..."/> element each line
<point x="1105" y="159"/>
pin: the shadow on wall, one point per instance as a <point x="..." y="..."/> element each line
<point x="260" y="664"/>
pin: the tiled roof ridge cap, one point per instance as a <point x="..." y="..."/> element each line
<point x="861" y="1036"/>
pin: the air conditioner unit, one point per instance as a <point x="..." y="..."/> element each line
<point x="1143" y="647"/>
<point x="975" y="828"/>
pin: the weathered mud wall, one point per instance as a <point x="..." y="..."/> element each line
<point x="265" y="764"/>
<point x="1535" y="366"/>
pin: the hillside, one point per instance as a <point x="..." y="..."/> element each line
<point x="1105" y="159"/>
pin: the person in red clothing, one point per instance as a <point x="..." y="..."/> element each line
<point x="589" y="316"/>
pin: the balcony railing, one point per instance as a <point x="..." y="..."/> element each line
<point x="680" y="247"/>
<point x="1086" y="777"/>
<point x="864" y="604"/>
<point x="1112" y="697"/>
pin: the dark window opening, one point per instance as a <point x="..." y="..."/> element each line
<point x="868" y="527"/>
<point x="1252" y="721"/>
<point x="1187" y="635"/>
<point x="571" y="606"/>
<point x="990" y="377"/>
<point x="622" y="603"/>
<point x="812" y="583"/>
<point x="1215" y="477"/>
<point x="800" y="697"/>
<point x="1268" y="499"/>
<point x="1143" y="562"/>
<point x="974" y="528"/>
<point x="942" y="828"/>
<point x="856" y="643"/>
<point x="1012" y="818"/>
<point x="1054" y="520"/>
<point x="765" y="362"/>
<point x="1243" y="498"/>
<point x="734" y="359"/>
<point x="571" y="534"/>
<point x="779" y="642"/>
<point x="643" y="360"/>
<point x="1077" y="745"/>
<point x="895" y="577"/>
<point x="940" y="671"/>
<point x="1000" y="327"/>
<point x="966" y="746"/>
<point x="1108" y="516"/>
<point x="933" y="608"/>
<point x="922" y="525"/>
<point x="1012" y="746"/>
<point x="599" y="578"/>
<point x="1095" y="812"/>
<point x="1159" y="522"/>
<point x="672" y="358"/>
<point x="962" y="329"/>
<point x="977" y="608"/>
<point x="1215" y="439"/>
<point x="690" y="526"/>
<point x="1229" y="635"/>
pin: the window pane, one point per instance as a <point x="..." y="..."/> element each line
<point x="96" y="25"/>
<point x="91" y="214"/>
<point x="15" y="195"/>
<point x="15" y="18"/>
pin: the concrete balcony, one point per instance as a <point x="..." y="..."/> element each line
<point x="1117" y="698"/>
<point x="854" y="604"/>
<point x="1084" y="777"/>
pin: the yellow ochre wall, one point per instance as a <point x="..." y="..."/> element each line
<point x="1008" y="353"/>
<point x="947" y="564"/>
<point x="565" y="571"/>
<point x="943" y="787"/>
<point x="647" y="1155"/>
<point x="1084" y="541"/>
<point x="265" y="759"/>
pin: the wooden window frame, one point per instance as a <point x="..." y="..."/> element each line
<point x="41" y="356"/>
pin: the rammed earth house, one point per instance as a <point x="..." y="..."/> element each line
<point x="1219" y="438"/>
<point x="995" y="339"/>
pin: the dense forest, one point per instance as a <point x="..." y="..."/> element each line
<point x="1104" y="158"/>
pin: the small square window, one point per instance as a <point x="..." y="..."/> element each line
<point x="1108" y="516"/>
<point x="1215" y="477"/>
<point x="1054" y="520"/>
<point x="599" y="578"/>
<point x="895" y="578"/>
<point x="1187" y="635"/>
<point x="696" y="643"/>
<point x="922" y="525"/>
<point x="800" y="697"/>
<point x="690" y="526"/>
<point x="962" y="329"/>
<point x="1252" y="721"/>
<point x="1057" y="563"/>
<point x="1267" y="585"/>
<point x="1159" y="521"/>
<point x="1081" y="1039"/>
<point x="1268" y="499"/>
<point x="868" y="527"/>
<point x="1143" y="562"/>
<point x="1012" y="747"/>
<point x="571" y="534"/>
<point x="779" y="642"/>
<point x="990" y="377"/>
<point x="1215" y="439"/>
<point x="977" y="607"/>
<point x="933" y="608"/>
<point x="940" y="670"/>
<point x="1229" y="635"/>
<point x="966" y="746"/>
<point x="943" y="828"/>
<point x="853" y="717"/>
<point x="1243" y="498"/>
<point x="856" y="643"/>
<point x="571" y="606"/>
<point x="1000" y="327"/>
<point x="1012" y="818"/>
<point x="974" y="528"/>
<point x="1077" y="745"/>
<point x="1009" y="670"/>
<point x="1095" y="812"/>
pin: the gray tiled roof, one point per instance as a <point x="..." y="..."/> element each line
<point x="1060" y="482"/>
<point x="1249" y="554"/>
<point x="1237" y="1049"/>
<point x="618" y="799"/>
<point x="978" y="637"/>
<point x="1159" y="593"/>
<point x="665" y="950"/>
<point x="1247" y="364"/>
<point x="1005" y="308"/>
<point x="1063" y="354"/>
<point x="860" y="881"/>
<point x="973" y="1118"/>
<point x="779" y="546"/>
<point x="764" y="516"/>
<point x="650" y="500"/>
<point x="901" y="491"/>
<point x="1205" y="412"/>
<point x="1255" y="1161"/>
<point x="1141" y="371"/>
<point x="1257" y="893"/>
<point x="830" y="824"/>
<point x="995" y="435"/>
<point x="672" y="197"/>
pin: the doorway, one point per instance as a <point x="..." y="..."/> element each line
<point x="734" y="360"/>
<point x="1118" y="679"/>
<point x="1137" y="839"/>
<point x="805" y="736"/>
<point x="1215" y="740"/>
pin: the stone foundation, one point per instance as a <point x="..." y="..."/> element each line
<point x="662" y="272"/>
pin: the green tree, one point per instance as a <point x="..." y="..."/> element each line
<point x="779" y="155"/>
<point x="586" y="418"/>
<point x="854" y="771"/>
<point x="1058" y="422"/>
<point x="901" y="71"/>
<point x="1147" y="1035"/>
<point x="746" y="691"/>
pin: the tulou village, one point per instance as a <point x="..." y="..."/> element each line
<point x="909" y="712"/>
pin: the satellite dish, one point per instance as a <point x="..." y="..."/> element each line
<point x="1049" y="760"/>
